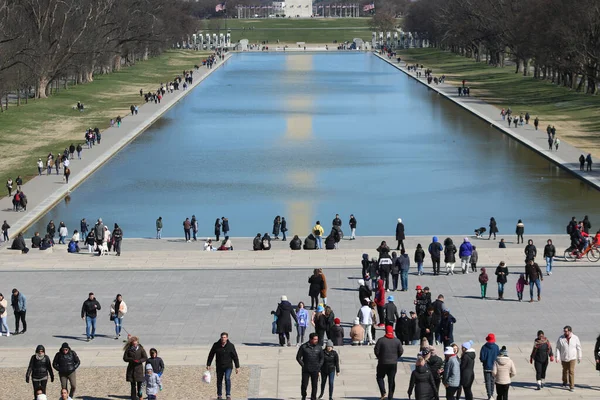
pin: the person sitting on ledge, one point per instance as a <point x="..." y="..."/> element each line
<point x="208" y="245"/>
<point x="330" y="242"/>
<point x="226" y="245"/>
<point x="256" y="243"/>
<point x="296" y="243"/>
<point x="73" y="246"/>
<point x="310" y="243"/>
<point x="266" y="242"/>
<point x="19" y="244"/>
<point x="36" y="241"/>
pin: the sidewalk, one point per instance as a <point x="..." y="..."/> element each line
<point x="44" y="191"/>
<point x="567" y="156"/>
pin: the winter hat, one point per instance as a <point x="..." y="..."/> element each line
<point x="467" y="240"/>
<point x="491" y="338"/>
<point x="503" y="351"/>
<point x="403" y="311"/>
<point x="389" y="331"/>
<point x="435" y="239"/>
<point x="329" y="344"/>
<point x="40" y="348"/>
<point x="419" y="287"/>
<point x="41" y="396"/>
<point x="149" y="367"/>
<point x="449" y="351"/>
<point x="390" y="298"/>
<point x="356" y="321"/>
<point x="468" y="345"/>
<point x="426" y="288"/>
<point x="361" y="282"/>
<point x="336" y="321"/>
<point x="400" y="220"/>
<point x="320" y="309"/>
<point x="283" y="298"/>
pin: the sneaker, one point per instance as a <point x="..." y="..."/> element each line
<point x="116" y="337"/>
<point x="87" y="340"/>
<point x="572" y="389"/>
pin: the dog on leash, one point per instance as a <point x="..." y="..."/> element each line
<point x="479" y="232"/>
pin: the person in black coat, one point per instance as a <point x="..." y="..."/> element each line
<point x="295" y="243"/>
<point x="310" y="243"/>
<point x="225" y="226"/>
<point x="316" y="285"/>
<point x="19" y="244"/>
<point x="530" y="251"/>
<point x="402" y="328"/>
<point x="493" y="228"/>
<point x="467" y="372"/>
<point x="217" y="229"/>
<point x="66" y="363"/>
<point x="284" y="229"/>
<point x="256" y="243"/>
<point x="502" y="278"/>
<point x="400" y="237"/>
<point x="276" y="227"/>
<point x="330" y="368"/>
<point x="421" y="380"/>
<point x="265" y="243"/>
<point x="337" y="333"/>
<point x="227" y="356"/>
<point x="364" y="293"/>
<point x="285" y="312"/>
<point x="38" y="370"/>
<point x="435" y="364"/>
<point x="311" y="358"/>
<point x="330" y="242"/>
<point x="587" y="225"/>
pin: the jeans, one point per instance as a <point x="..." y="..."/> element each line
<point x="301" y="330"/>
<point x="285" y="238"/>
<point x="395" y="282"/>
<point x="549" y="264"/>
<point x="90" y="326"/>
<point x="519" y="295"/>
<point x="83" y="235"/>
<point x="314" y="382"/>
<point x="5" y="235"/>
<point x="71" y="379"/>
<point x="20" y="316"/>
<point x="420" y="268"/>
<point x="489" y="383"/>
<point x="464" y="264"/>
<point x="158" y="233"/>
<point x="227" y="374"/>
<point x="136" y="390"/>
<point x="117" y="246"/>
<point x="118" y="323"/>
<point x="500" y="289"/>
<point x="40" y="171"/>
<point x="319" y="242"/>
<point x="324" y="377"/>
<point x="404" y="279"/>
<point x="194" y="233"/>
<point x="390" y="371"/>
<point x="539" y="288"/>
<point x="187" y="234"/>
<point x="79" y="155"/>
<point x="4" y="327"/>
<point x="502" y="391"/>
<point x="61" y="239"/>
<point x="568" y="371"/>
<point x="368" y="336"/>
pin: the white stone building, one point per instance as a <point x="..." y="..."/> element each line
<point x="298" y="8"/>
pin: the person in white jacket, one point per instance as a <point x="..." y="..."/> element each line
<point x="568" y="350"/>
<point x="3" y="324"/>
<point x="365" y="319"/>
<point x="118" y="309"/>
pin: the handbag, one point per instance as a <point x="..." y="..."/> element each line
<point x="112" y="317"/>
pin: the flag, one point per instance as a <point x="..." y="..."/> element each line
<point x="369" y="7"/>
<point x="220" y="7"/>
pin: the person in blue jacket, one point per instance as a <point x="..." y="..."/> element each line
<point x="487" y="355"/>
<point x="465" y="251"/>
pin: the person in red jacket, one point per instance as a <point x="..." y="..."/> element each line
<point x="380" y="300"/>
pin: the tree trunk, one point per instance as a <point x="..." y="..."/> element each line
<point x="116" y="64"/>
<point x="88" y="76"/>
<point x="581" y="83"/>
<point x="42" y="92"/>
<point x="525" y="67"/>
<point x="518" y="64"/>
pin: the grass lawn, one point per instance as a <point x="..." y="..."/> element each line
<point x="49" y="125"/>
<point x="576" y="116"/>
<point x="289" y="30"/>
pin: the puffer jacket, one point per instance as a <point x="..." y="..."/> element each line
<point x="39" y="367"/>
<point x="135" y="357"/>
<point x="449" y="252"/>
<point x="331" y="362"/>
<point x="466" y="249"/>
<point x="451" y="372"/>
<point x="310" y="357"/>
<point x="504" y="370"/>
<point x="421" y="380"/>
<point x="467" y="366"/>
<point x="65" y="364"/>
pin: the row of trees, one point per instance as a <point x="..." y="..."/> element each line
<point x="47" y="42"/>
<point x="556" y="40"/>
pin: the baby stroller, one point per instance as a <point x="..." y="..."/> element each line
<point x="479" y="232"/>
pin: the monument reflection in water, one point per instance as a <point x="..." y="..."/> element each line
<point x="306" y="136"/>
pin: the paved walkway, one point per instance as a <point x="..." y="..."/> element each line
<point x="567" y="155"/>
<point x="45" y="191"/>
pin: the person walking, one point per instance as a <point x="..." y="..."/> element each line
<point x="153" y="382"/>
<point x="83" y="228"/>
<point x="435" y="250"/>
<point x="487" y="355"/>
<point x="302" y="318"/>
<point x="89" y="312"/>
<point x="465" y="252"/>
<point x="530" y="251"/>
<point x="18" y="302"/>
<point x="159" y="227"/>
<point x="117" y="237"/>
<point x="493" y="228"/>
<point x="501" y="278"/>
<point x="542" y="351"/>
<point x="318" y="233"/>
<point x="38" y="370"/>
<point x="226" y="357"/>
<point x="549" y="253"/>
<point x="118" y="309"/>
<point x="390" y="312"/>
<point x="388" y="350"/>
<point x="421" y="381"/>
<point x="5" y="228"/>
<point x="135" y="356"/>
<point x="451" y="376"/>
<point x="365" y="318"/>
<point x="353" y="224"/>
<point x="533" y="275"/>
<point x="449" y="256"/>
<point x="504" y="370"/>
<point x="314" y="290"/>
<point x="568" y="351"/>
<point x="66" y="363"/>
<point x="285" y="313"/>
<point x="311" y="358"/>
<point x="404" y="266"/>
<point x="284" y="229"/>
<point x="3" y="314"/>
<point x="467" y="369"/>
<point x="400" y="236"/>
<point x="520" y="230"/>
<point x="330" y="368"/>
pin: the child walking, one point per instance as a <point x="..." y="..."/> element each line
<point x="302" y="323"/>
<point x="419" y="257"/>
<point x="474" y="259"/>
<point x="521" y="286"/>
<point x="483" y="280"/>
<point x="153" y="383"/>
<point x="158" y="366"/>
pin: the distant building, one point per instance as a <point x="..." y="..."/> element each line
<point x="278" y="7"/>
<point x="298" y="8"/>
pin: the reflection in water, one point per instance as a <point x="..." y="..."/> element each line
<point x="299" y="129"/>
<point x="308" y="136"/>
